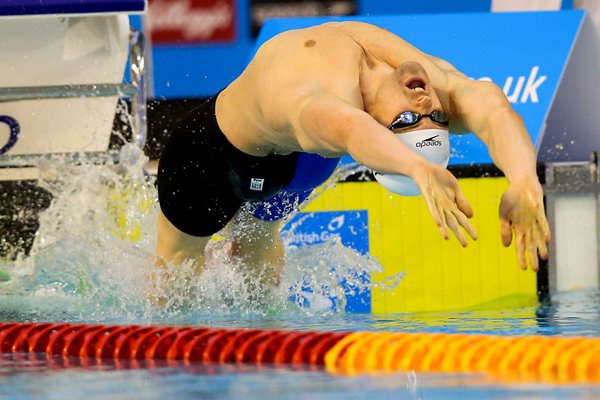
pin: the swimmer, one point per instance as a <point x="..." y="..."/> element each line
<point x="311" y="96"/>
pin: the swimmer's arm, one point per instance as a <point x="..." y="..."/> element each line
<point x="482" y="108"/>
<point x="331" y="125"/>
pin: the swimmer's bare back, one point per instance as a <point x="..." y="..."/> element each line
<point x="259" y="110"/>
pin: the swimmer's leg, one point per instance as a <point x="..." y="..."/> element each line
<point x="258" y="245"/>
<point x="173" y="248"/>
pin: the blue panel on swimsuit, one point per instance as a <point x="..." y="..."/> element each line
<point x="311" y="171"/>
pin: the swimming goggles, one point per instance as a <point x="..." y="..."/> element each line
<point x="409" y="118"/>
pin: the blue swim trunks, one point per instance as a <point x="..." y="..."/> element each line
<point x="203" y="180"/>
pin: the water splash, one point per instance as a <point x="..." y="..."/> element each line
<point x="93" y="259"/>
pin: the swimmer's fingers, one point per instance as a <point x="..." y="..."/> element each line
<point x="531" y="243"/>
<point x="451" y="218"/>
<point x="506" y="232"/>
<point x="532" y="249"/>
<point x="455" y="227"/>
<point x="464" y="221"/>
<point x="520" y="247"/>
<point x="447" y="205"/>
<point x="538" y="247"/>
<point x="436" y="214"/>
<point x="458" y="221"/>
<point x="543" y="238"/>
<point x="462" y="203"/>
<point x="540" y="238"/>
<point x="543" y="225"/>
<point x="465" y="211"/>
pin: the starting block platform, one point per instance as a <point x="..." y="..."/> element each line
<point x="63" y="70"/>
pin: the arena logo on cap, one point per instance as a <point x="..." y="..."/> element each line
<point x="192" y="21"/>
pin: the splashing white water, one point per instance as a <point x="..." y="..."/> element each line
<point x="92" y="258"/>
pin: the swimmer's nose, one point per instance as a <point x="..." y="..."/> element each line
<point x="422" y="103"/>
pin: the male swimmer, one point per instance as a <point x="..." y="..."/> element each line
<point x="309" y="97"/>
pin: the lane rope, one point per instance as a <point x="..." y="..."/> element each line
<point x="523" y="358"/>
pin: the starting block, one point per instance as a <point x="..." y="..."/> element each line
<point x="62" y="72"/>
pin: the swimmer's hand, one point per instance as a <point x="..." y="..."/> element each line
<point x="522" y="212"/>
<point x="447" y="204"/>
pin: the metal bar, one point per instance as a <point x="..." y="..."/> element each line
<point x="581" y="177"/>
<point x="552" y="264"/>
<point x="138" y="79"/>
<point x="67" y="91"/>
<point x="33" y="160"/>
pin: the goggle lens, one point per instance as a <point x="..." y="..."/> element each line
<point x="410" y="118"/>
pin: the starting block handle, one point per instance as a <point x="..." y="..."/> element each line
<point x="137" y="67"/>
<point x="66" y="91"/>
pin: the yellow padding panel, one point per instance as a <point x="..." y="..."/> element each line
<point x="440" y="275"/>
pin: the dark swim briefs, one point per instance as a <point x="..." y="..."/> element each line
<point x="203" y="180"/>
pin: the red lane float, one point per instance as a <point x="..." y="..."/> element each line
<point x="167" y="343"/>
<point x="530" y="358"/>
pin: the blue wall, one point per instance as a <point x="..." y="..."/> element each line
<point x="202" y="70"/>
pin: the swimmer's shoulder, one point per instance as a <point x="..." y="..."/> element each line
<point x="329" y="33"/>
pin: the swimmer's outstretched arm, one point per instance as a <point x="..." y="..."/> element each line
<point x="335" y="126"/>
<point x="482" y="108"/>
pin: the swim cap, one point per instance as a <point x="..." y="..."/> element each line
<point x="431" y="144"/>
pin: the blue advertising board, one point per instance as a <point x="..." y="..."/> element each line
<point x="524" y="53"/>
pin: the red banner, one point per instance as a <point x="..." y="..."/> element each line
<point x="192" y="21"/>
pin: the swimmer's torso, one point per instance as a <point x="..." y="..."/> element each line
<point x="259" y="111"/>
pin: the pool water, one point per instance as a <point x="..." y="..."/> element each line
<point x="26" y="376"/>
<point x="84" y="269"/>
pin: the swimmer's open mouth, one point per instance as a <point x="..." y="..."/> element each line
<point x="416" y="84"/>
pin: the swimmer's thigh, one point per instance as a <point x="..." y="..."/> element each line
<point x="193" y="186"/>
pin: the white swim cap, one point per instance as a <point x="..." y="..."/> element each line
<point x="431" y="144"/>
